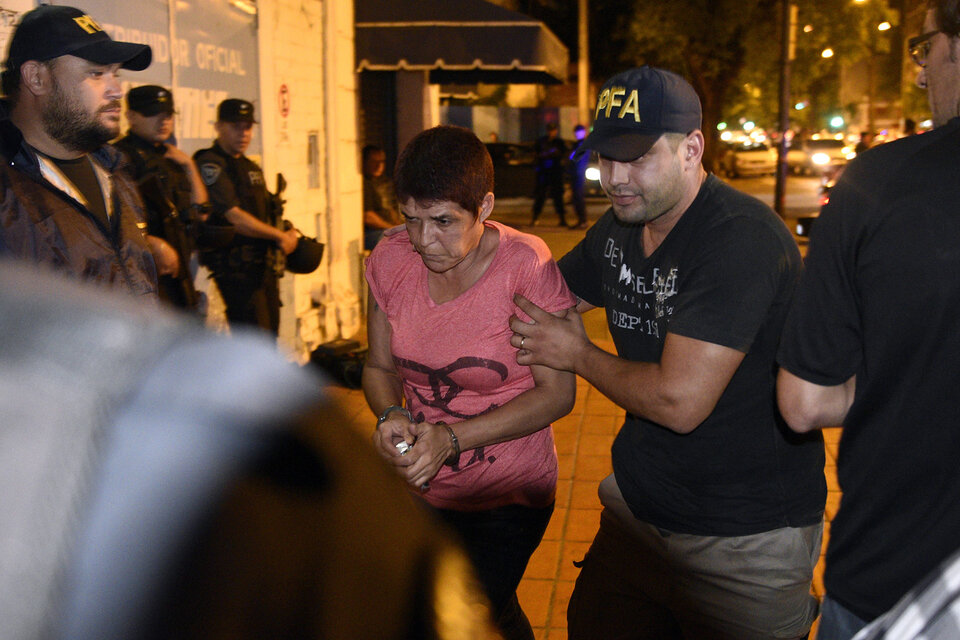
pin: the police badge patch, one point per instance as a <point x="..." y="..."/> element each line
<point x="209" y="172"/>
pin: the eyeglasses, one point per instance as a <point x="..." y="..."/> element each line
<point x="919" y="48"/>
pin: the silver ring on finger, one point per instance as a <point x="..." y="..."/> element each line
<point x="522" y="338"/>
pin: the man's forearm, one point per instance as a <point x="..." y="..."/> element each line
<point x="679" y="391"/>
<point x="247" y="225"/>
<point x="198" y="191"/>
<point x="806" y="406"/>
<point x="637" y="387"/>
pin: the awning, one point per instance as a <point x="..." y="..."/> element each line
<point x="457" y="41"/>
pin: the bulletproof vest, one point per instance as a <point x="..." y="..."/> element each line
<point x="248" y="256"/>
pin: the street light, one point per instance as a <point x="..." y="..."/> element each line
<point x="826" y="53"/>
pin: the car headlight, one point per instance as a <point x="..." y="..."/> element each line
<point x="592" y="173"/>
<point x="820" y="158"/>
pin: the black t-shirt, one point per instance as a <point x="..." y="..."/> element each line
<point x="724" y="274"/>
<point x="83" y="176"/>
<point x="880" y="299"/>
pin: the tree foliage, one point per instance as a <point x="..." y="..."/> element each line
<point x="704" y="40"/>
<point x="846" y="28"/>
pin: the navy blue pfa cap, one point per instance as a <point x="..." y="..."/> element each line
<point x="150" y="100"/>
<point x="636" y="107"/>
<point x="51" y="31"/>
<point x="235" y="110"/>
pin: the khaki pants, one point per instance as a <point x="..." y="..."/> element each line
<point x="638" y="581"/>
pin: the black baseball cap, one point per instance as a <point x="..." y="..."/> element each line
<point x="235" y="110"/>
<point x="51" y="31"/>
<point x="636" y="107"/>
<point x="149" y="100"/>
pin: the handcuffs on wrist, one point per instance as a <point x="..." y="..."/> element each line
<point x="451" y="460"/>
<point x="386" y="413"/>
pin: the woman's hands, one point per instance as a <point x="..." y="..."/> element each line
<point x="430" y="446"/>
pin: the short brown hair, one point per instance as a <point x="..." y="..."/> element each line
<point x="445" y="164"/>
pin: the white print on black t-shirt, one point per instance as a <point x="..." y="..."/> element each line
<point x="256" y="177"/>
<point x="630" y="323"/>
<point x="638" y="289"/>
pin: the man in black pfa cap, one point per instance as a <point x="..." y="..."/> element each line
<point x="169" y="182"/>
<point x="63" y="203"/>
<point x="712" y="517"/>
<point x="244" y="271"/>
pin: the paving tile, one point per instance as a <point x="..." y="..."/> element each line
<point x="572" y="551"/>
<point x="564" y="491"/>
<point x="569" y="423"/>
<point x="557" y="525"/>
<point x="583" y="494"/>
<point x="566" y="464"/>
<point x="597" y="444"/>
<point x="599" y="405"/>
<point x="582" y="525"/>
<point x="606" y="425"/>
<point x="544" y="563"/>
<point x="535" y="597"/>
<point x="833" y="502"/>
<point x="832" y="483"/>
<point x="832" y="435"/>
<point x="589" y="467"/>
<point x="558" y="606"/>
<point x="566" y="442"/>
<point x="818" y="589"/>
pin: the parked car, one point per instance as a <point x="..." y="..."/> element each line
<point x="514" y="169"/>
<point x="748" y="158"/>
<point x="815" y="157"/>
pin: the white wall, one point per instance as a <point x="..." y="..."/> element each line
<point x="306" y="55"/>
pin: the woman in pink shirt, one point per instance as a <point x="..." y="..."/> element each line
<point x="441" y="373"/>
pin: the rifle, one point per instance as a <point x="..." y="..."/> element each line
<point x="174" y="232"/>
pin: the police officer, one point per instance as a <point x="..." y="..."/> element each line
<point x="169" y="182"/>
<point x="244" y="271"/>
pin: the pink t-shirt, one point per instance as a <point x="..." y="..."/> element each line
<point x="456" y="362"/>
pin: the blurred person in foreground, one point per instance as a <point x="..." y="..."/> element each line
<point x="246" y="271"/>
<point x="872" y="344"/>
<point x="65" y="204"/>
<point x="441" y="374"/>
<point x="712" y="518"/>
<point x="161" y="481"/>
<point x="174" y="196"/>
